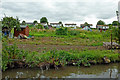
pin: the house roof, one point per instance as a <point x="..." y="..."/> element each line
<point x="70" y="24"/>
<point x="81" y="24"/>
<point x="89" y="24"/>
<point x="42" y="23"/>
<point x="101" y="25"/>
<point x="29" y="22"/>
<point x="54" y="23"/>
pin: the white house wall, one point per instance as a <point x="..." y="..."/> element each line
<point x="103" y="27"/>
<point x="70" y="26"/>
<point x="56" y="25"/>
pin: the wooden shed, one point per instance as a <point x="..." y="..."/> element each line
<point x="24" y="30"/>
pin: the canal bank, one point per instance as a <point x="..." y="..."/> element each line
<point x="16" y="58"/>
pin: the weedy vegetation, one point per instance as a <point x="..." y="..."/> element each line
<point x="14" y="57"/>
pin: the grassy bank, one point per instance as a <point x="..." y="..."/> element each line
<point x="13" y="57"/>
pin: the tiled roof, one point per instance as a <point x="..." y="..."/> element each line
<point x="101" y="25"/>
<point x="70" y="24"/>
<point x="29" y="22"/>
<point x="89" y="24"/>
<point x="54" y="23"/>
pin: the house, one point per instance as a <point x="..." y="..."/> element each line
<point x="45" y="25"/>
<point x="102" y="27"/>
<point x="83" y="25"/>
<point x="71" y="25"/>
<point x="49" y="27"/>
<point x="24" y="30"/>
<point x="115" y="26"/>
<point x="87" y="28"/>
<point x="29" y="23"/>
<point x="56" y="25"/>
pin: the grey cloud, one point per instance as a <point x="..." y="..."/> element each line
<point x="60" y="11"/>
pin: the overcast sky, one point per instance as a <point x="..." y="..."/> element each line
<point x="67" y="11"/>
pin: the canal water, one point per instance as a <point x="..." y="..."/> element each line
<point x="95" y="71"/>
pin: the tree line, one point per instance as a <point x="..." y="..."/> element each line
<point x="10" y="22"/>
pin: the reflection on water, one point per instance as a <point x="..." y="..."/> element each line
<point x="95" y="71"/>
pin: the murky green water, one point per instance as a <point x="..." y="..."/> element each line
<point x="95" y="71"/>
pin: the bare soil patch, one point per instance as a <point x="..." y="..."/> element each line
<point x="42" y="47"/>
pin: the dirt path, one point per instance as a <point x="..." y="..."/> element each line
<point x="42" y="47"/>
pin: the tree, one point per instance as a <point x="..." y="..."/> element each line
<point x="10" y="22"/>
<point x="60" y="22"/>
<point x="43" y="20"/>
<point x="35" y="22"/>
<point x="115" y="23"/>
<point x="39" y="26"/>
<point x="86" y="24"/>
<point x="100" y="22"/>
<point x="23" y="23"/>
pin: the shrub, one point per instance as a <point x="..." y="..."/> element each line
<point x="61" y="31"/>
<point x="39" y="26"/>
<point x="10" y="52"/>
<point x="74" y="32"/>
<point x="46" y="27"/>
<point x="115" y="32"/>
<point x="82" y="35"/>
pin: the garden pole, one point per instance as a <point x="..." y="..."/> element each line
<point x="118" y="26"/>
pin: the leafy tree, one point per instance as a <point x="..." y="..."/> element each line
<point x="100" y="22"/>
<point x="10" y="22"/>
<point x="35" y="22"/>
<point x="43" y="20"/>
<point x="60" y="22"/>
<point x="86" y="24"/>
<point x="115" y="23"/>
<point x="115" y="32"/>
<point x="23" y="23"/>
<point x="110" y="26"/>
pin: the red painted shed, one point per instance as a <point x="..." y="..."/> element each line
<point x="24" y="30"/>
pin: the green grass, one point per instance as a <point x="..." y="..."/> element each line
<point x="74" y="37"/>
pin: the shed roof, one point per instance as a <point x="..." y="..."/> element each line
<point x="101" y="25"/>
<point x="54" y="23"/>
<point x="89" y="24"/>
<point x="29" y="22"/>
<point x="70" y="24"/>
